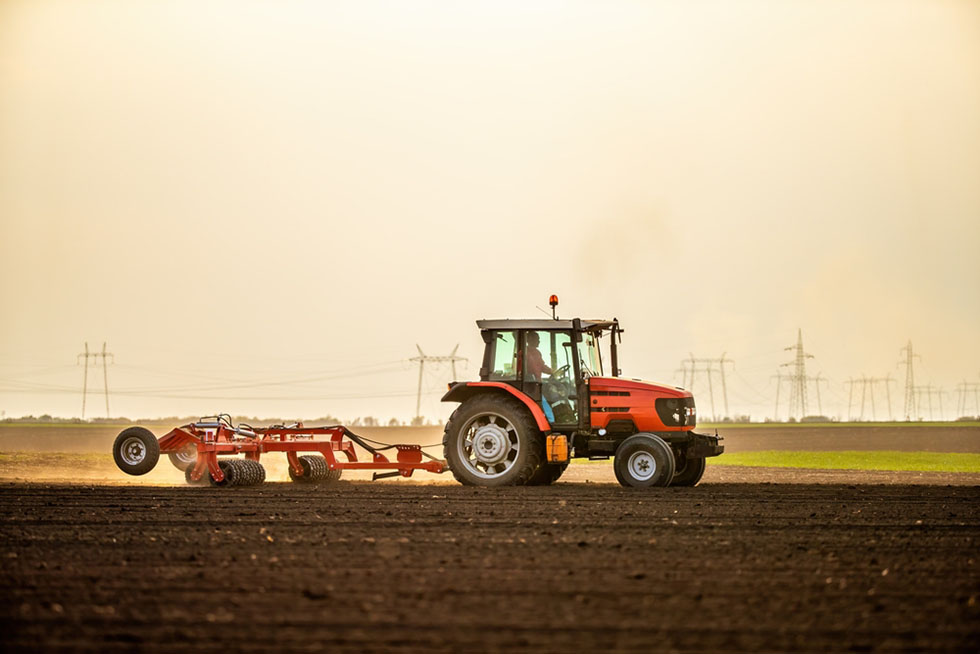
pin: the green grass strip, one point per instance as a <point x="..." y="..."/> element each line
<point x="854" y="460"/>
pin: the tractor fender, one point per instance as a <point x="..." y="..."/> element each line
<point x="462" y="391"/>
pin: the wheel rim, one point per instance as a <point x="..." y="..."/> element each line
<point x="132" y="451"/>
<point x="642" y="466"/>
<point x="489" y="445"/>
<point x="187" y="454"/>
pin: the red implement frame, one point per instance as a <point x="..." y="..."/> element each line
<point x="221" y="438"/>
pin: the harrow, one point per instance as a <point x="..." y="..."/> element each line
<point x="314" y="454"/>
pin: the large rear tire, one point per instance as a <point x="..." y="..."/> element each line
<point x="644" y="461"/>
<point x="136" y="451"/>
<point x="547" y="474"/>
<point x="492" y="440"/>
<point x="689" y="471"/>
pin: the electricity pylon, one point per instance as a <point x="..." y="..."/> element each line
<point x="798" y="379"/>
<point x="869" y="384"/>
<point x="693" y="365"/>
<point x="424" y="358"/>
<point x="929" y="391"/>
<point x="963" y="389"/>
<point x="86" y="355"/>
<point x="910" y="388"/>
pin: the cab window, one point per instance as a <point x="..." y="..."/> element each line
<point x="588" y="356"/>
<point x="504" y="357"/>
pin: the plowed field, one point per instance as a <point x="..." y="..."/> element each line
<point x="357" y="567"/>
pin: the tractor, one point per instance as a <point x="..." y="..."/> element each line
<point x="543" y="399"/>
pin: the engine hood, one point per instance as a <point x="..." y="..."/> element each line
<point x="622" y="384"/>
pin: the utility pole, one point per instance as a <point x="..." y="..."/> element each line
<point x="910" y="388"/>
<point x="797" y="395"/>
<point x="424" y="358"/>
<point x="105" y="374"/>
<point x="86" y="355"/>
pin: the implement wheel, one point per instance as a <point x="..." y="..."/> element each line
<point x="491" y="440"/>
<point x="136" y="451"/>
<point x="314" y="469"/>
<point x="644" y="460"/>
<point x="203" y="481"/>
<point x="185" y="457"/>
<point x="229" y="469"/>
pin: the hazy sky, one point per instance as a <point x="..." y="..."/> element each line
<point x="237" y="193"/>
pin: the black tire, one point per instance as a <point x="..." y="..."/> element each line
<point x="513" y="447"/>
<point x="185" y="458"/>
<point x="203" y="481"/>
<point x="314" y="469"/>
<point x="136" y="451"/>
<point x="228" y="468"/>
<point x="547" y="474"/>
<point x="644" y="461"/>
<point x="257" y="472"/>
<point x="689" y="471"/>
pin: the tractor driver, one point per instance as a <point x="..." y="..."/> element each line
<point x="536" y="367"/>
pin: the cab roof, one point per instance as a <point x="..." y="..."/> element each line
<point x="541" y="324"/>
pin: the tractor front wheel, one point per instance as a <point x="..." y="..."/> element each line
<point x="689" y="471"/>
<point x="644" y="460"/>
<point x="491" y="440"/>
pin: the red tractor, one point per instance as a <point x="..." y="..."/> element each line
<point x="542" y="399"/>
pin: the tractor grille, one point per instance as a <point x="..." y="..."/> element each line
<point x="677" y="412"/>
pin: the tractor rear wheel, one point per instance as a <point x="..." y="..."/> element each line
<point x="136" y="451"/>
<point x="491" y="440"/>
<point x="689" y="471"/>
<point x="644" y="460"/>
<point x="547" y="474"/>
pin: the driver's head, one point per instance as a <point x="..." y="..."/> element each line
<point x="533" y="339"/>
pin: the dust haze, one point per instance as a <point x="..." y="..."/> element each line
<point x="263" y="207"/>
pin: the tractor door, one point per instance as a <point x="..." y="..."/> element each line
<point x="549" y="371"/>
<point x="502" y="360"/>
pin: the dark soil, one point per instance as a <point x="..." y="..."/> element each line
<point x="411" y="567"/>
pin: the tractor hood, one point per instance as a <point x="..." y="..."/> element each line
<point x="626" y="385"/>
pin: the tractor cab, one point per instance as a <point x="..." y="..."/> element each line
<point x="549" y="361"/>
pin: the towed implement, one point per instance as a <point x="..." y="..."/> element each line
<point x="315" y="454"/>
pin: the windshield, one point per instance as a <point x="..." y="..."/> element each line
<point x="588" y="354"/>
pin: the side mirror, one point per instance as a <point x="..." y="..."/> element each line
<point x="577" y="329"/>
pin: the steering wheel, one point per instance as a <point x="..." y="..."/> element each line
<point x="560" y="372"/>
<point x="556" y="387"/>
